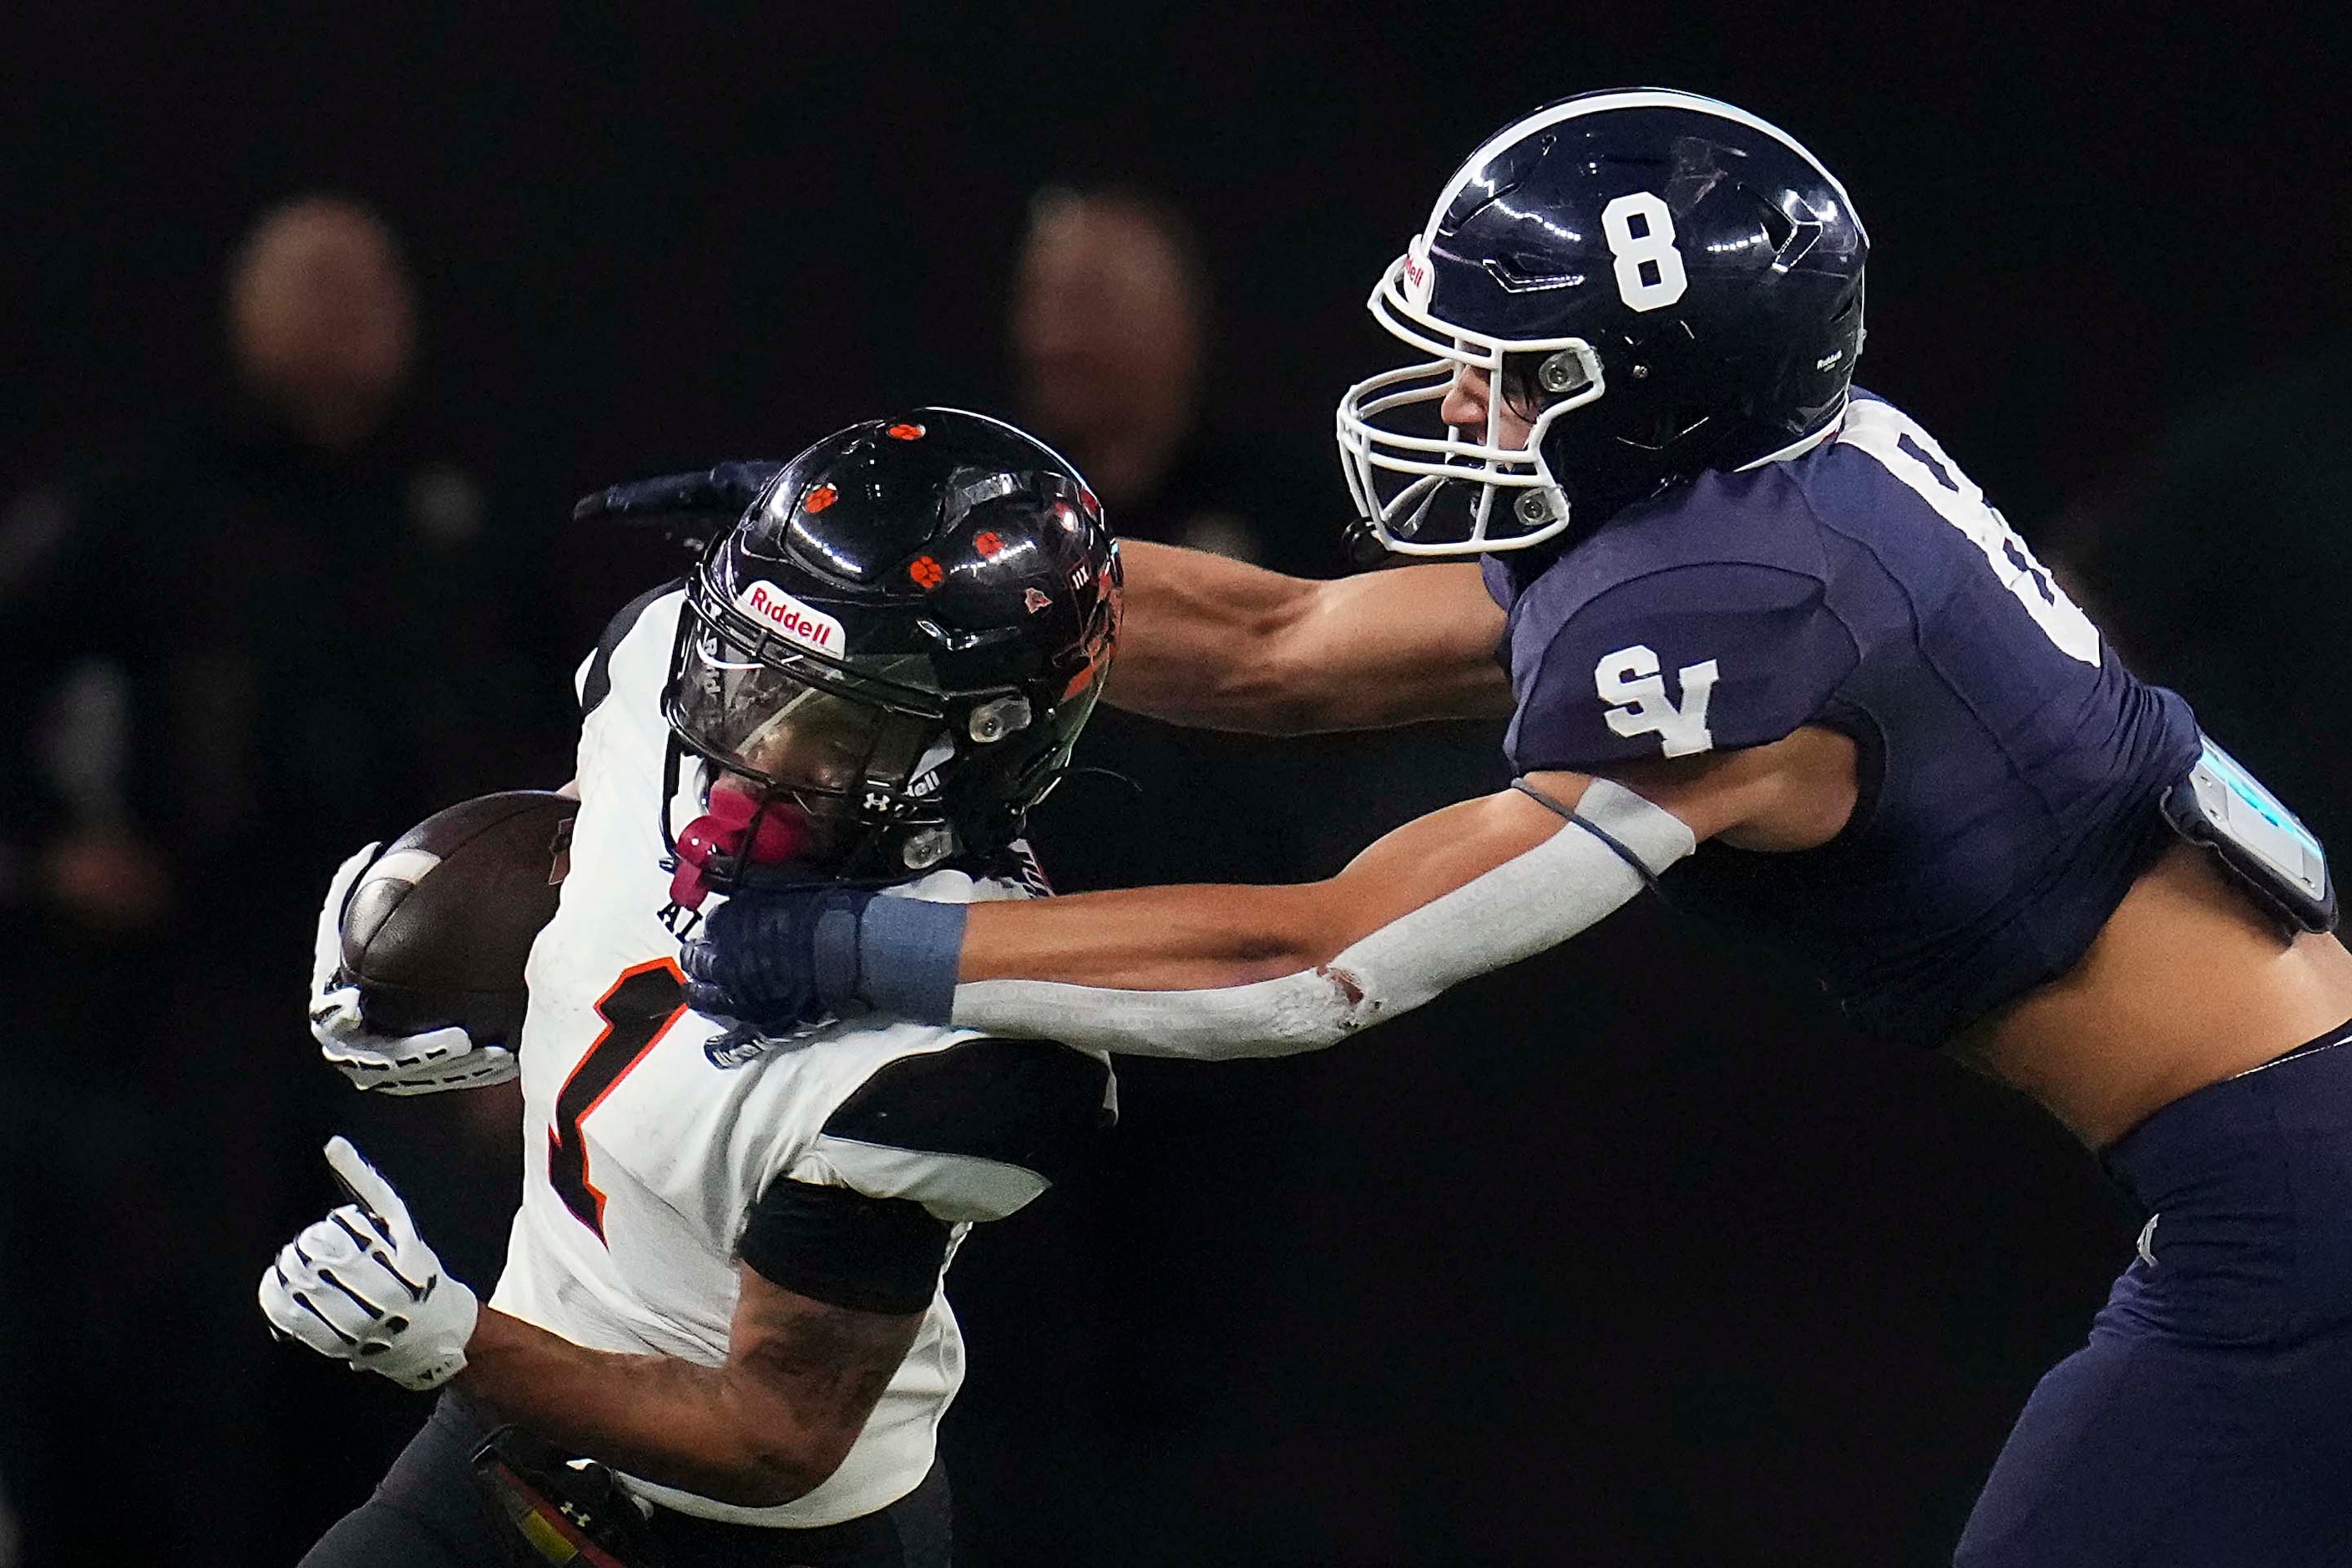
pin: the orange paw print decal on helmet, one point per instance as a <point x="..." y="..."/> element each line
<point x="927" y="572"/>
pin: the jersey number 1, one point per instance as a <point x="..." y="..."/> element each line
<point x="637" y="1011"/>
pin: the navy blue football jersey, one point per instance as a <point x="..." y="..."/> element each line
<point x="2010" y="767"/>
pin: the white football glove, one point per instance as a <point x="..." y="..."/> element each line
<point x="362" y="1286"/>
<point x="390" y="1064"/>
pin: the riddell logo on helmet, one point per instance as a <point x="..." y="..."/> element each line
<point x="1416" y="274"/>
<point x="804" y="623"/>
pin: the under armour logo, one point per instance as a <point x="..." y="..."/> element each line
<point x="1629" y="682"/>
<point x="2147" y="1240"/>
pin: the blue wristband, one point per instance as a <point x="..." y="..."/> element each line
<point x="908" y="953"/>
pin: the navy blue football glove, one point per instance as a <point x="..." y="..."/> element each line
<point x="777" y="958"/>
<point x="715" y="496"/>
<point x="781" y="958"/>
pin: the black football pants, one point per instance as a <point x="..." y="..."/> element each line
<point x="427" y="1512"/>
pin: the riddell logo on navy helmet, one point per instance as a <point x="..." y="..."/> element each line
<point x="803" y="623"/>
<point x="1416" y="274"/>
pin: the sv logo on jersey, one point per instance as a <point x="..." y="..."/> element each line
<point x="1629" y="682"/>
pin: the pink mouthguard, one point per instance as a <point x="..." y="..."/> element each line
<point x="782" y="835"/>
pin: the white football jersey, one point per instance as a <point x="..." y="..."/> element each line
<point x="641" y="1159"/>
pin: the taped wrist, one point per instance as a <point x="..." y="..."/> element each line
<point x="900" y="956"/>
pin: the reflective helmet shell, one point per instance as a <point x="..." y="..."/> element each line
<point x="1662" y="283"/>
<point x="939" y="593"/>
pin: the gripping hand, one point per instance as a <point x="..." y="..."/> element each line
<point x="390" y="1064"/>
<point x="362" y="1285"/>
<point x="778" y="958"/>
<point x="784" y="957"/>
<point x="709" y="497"/>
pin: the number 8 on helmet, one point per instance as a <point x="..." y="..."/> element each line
<point x="1657" y="283"/>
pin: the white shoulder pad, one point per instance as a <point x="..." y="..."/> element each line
<point x="956" y="1187"/>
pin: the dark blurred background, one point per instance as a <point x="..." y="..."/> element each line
<point x="1630" y="1255"/>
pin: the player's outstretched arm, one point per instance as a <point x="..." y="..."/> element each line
<point x="1219" y="971"/>
<point x="1788" y="794"/>
<point x="1221" y="645"/>
<point x="1207" y="971"/>
<point x="1213" y="971"/>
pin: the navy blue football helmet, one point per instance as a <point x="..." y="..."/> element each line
<point x="1660" y="284"/>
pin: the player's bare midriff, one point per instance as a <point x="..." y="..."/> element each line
<point x="2188" y="983"/>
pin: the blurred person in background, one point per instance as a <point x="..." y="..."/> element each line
<point x="278" y="632"/>
<point x="1111" y="314"/>
<point x="1110" y="331"/>
<point x="250" y="634"/>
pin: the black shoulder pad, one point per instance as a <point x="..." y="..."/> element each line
<point x="1029" y="1103"/>
<point x="599" y="684"/>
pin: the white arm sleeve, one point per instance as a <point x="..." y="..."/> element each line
<point x="1532" y="902"/>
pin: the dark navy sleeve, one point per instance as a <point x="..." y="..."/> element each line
<point x="1496" y="573"/>
<point x="1696" y="657"/>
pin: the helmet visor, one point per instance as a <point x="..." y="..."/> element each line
<point x="822" y="731"/>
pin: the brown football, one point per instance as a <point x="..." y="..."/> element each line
<point x="436" y="932"/>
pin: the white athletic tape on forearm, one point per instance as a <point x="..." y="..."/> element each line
<point x="1528" y="903"/>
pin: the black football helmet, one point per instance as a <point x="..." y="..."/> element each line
<point x="1660" y="283"/>
<point x="896" y="646"/>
